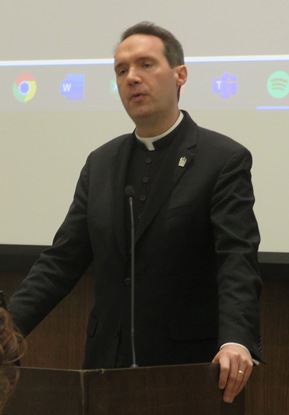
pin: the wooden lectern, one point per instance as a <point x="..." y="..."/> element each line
<point x="165" y="390"/>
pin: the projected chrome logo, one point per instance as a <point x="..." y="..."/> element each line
<point x="278" y="84"/>
<point x="24" y="88"/>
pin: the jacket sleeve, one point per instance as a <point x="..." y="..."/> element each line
<point x="236" y="245"/>
<point x="59" y="267"/>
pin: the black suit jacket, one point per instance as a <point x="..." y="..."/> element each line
<point x="197" y="281"/>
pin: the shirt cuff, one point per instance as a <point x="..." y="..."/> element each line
<point x="256" y="362"/>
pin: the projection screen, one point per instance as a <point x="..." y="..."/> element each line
<point x="59" y="101"/>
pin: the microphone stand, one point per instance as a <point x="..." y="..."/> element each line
<point x="130" y="193"/>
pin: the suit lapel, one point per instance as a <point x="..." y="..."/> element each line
<point x="175" y="164"/>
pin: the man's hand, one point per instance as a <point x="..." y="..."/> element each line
<point x="235" y="369"/>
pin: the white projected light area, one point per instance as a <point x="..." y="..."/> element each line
<point x="59" y="100"/>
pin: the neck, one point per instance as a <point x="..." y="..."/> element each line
<point x="152" y="127"/>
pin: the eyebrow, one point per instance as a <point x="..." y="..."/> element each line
<point x="141" y="58"/>
<point x="118" y="65"/>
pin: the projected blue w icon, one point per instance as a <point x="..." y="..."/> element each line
<point x="72" y="88"/>
<point x="278" y="84"/>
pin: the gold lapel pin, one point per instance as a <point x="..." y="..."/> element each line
<point x="182" y="161"/>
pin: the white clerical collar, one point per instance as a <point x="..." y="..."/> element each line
<point x="148" y="141"/>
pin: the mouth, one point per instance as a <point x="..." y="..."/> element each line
<point x="136" y="96"/>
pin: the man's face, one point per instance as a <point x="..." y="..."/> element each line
<point x="146" y="83"/>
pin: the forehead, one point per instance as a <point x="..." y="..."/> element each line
<point x="138" y="46"/>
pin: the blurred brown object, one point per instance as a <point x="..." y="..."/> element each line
<point x="12" y="347"/>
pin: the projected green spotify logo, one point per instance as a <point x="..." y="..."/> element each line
<point x="278" y="84"/>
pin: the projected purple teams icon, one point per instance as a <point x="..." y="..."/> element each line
<point x="226" y="86"/>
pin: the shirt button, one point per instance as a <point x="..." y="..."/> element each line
<point x="148" y="160"/>
<point x="127" y="281"/>
<point x="143" y="198"/>
<point x="145" y="179"/>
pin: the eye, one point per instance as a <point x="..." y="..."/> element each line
<point x="147" y="65"/>
<point x="121" y="71"/>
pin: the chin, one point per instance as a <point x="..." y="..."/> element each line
<point x="141" y="114"/>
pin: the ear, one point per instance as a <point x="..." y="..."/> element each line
<point x="181" y="75"/>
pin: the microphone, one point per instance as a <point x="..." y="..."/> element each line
<point x="129" y="192"/>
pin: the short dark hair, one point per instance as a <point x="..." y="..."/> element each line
<point x="173" y="49"/>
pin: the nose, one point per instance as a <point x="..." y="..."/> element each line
<point x="133" y="76"/>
